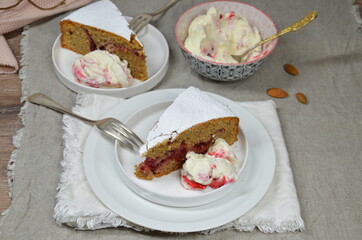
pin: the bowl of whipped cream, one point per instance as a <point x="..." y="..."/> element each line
<point x="213" y="35"/>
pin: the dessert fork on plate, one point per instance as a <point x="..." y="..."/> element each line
<point x="142" y="19"/>
<point x="110" y="126"/>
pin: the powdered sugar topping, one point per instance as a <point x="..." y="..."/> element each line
<point x="191" y="107"/>
<point x="102" y="15"/>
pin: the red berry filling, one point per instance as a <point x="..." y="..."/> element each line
<point x="177" y="155"/>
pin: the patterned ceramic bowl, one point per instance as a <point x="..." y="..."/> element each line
<point x="227" y="71"/>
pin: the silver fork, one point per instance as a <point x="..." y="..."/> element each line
<point x="110" y="126"/>
<point x="141" y="20"/>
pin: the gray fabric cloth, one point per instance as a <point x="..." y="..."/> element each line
<point x="323" y="138"/>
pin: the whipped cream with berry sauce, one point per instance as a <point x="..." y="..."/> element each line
<point x="215" y="168"/>
<point x="216" y="37"/>
<point x="101" y="69"/>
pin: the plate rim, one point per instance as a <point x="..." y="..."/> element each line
<point x="119" y="92"/>
<point x="169" y="226"/>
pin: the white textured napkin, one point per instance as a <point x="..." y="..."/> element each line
<point x="77" y="205"/>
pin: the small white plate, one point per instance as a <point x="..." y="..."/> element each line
<point x="156" y="50"/>
<point x="103" y="174"/>
<point x="167" y="190"/>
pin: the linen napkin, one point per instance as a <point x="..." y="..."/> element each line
<point x="77" y="205"/>
<point x="21" y="15"/>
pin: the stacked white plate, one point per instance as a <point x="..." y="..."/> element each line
<point x="163" y="204"/>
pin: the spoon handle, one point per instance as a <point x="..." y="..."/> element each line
<point x="294" y="27"/>
<point x="45" y="101"/>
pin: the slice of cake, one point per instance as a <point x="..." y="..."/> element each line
<point x="191" y="123"/>
<point x="101" y="25"/>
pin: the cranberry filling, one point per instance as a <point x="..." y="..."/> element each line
<point x="193" y="184"/>
<point x="111" y="47"/>
<point x="178" y="155"/>
<point x="216" y="183"/>
<point x="92" y="44"/>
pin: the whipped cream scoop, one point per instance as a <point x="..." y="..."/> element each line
<point x="102" y="69"/>
<point x="218" y="37"/>
<point x="215" y="168"/>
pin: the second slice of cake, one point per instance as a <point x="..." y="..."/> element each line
<point x="191" y="123"/>
<point x="101" y="25"/>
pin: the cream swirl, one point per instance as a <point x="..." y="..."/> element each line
<point x="101" y="69"/>
<point x="215" y="168"/>
<point x="217" y="37"/>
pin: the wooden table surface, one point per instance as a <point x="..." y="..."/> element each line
<point x="10" y="123"/>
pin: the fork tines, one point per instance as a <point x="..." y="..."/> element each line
<point x="139" y="22"/>
<point x="122" y="139"/>
<point x="127" y="133"/>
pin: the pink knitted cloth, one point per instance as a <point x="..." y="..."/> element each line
<point x="21" y="15"/>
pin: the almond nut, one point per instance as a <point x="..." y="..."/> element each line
<point x="301" y="98"/>
<point x="289" y="68"/>
<point x="277" y="93"/>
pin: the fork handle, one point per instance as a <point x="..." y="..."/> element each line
<point x="45" y="101"/>
<point x="167" y="6"/>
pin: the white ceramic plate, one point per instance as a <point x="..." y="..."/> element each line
<point x="157" y="52"/>
<point x="102" y="171"/>
<point x="168" y="190"/>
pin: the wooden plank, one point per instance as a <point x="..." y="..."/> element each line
<point x="10" y="93"/>
<point x="359" y="2"/>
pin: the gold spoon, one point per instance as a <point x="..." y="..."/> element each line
<point x="294" y="27"/>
